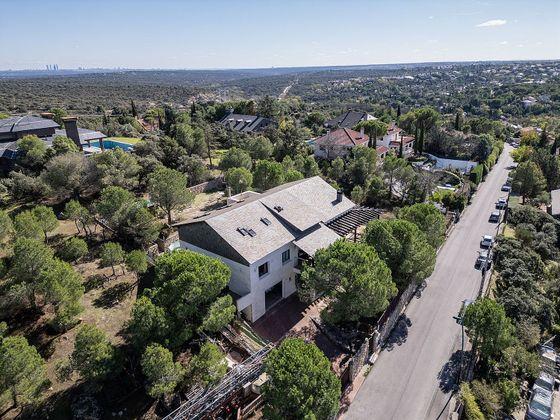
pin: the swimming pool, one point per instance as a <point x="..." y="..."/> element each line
<point x="111" y="144"/>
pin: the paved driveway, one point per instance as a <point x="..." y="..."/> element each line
<point x="413" y="378"/>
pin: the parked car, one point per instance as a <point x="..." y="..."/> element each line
<point x="545" y="382"/>
<point x="540" y="405"/>
<point x="506" y="188"/>
<point x="494" y="217"/>
<point x="501" y="204"/>
<point x="487" y="241"/>
<point x="484" y="260"/>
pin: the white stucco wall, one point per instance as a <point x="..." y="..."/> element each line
<point x="462" y="165"/>
<point x="245" y="280"/>
<point x="240" y="280"/>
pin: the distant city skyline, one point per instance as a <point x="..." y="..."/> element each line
<point x="219" y="34"/>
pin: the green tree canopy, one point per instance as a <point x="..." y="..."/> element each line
<point x="168" y="189"/>
<point x="353" y="276"/>
<point x="137" y="262"/>
<point x="429" y="219"/>
<point x="148" y="323"/>
<point x="94" y="357"/>
<point x="487" y="324"/>
<point x="239" y="179"/>
<point x="117" y="167"/>
<point x="259" y="147"/>
<point x="73" y="249"/>
<point x="62" y="286"/>
<point x="69" y="175"/>
<point x="374" y="129"/>
<point x="62" y="145"/>
<point x="6" y="226"/>
<point x="46" y="219"/>
<point x="268" y="174"/>
<point x="404" y="248"/>
<point x="528" y="180"/>
<point x="22" y="370"/>
<point x="220" y="314"/>
<point x="301" y="384"/>
<point x="33" y="152"/>
<point x="186" y="285"/>
<point x="236" y="158"/>
<point x="160" y="371"/>
<point x="208" y="366"/>
<point x="111" y="254"/>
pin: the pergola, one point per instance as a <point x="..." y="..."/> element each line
<point x="349" y="221"/>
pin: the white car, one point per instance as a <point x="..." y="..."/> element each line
<point x="487" y="241"/>
<point x="501" y="203"/>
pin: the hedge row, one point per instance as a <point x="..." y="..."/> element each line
<point x="477" y="173"/>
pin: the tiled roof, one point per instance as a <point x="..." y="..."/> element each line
<point x="381" y="149"/>
<point x="349" y="119"/>
<point x="263" y="223"/>
<point x="245" y="123"/>
<point x="25" y="123"/>
<point x="343" y="137"/>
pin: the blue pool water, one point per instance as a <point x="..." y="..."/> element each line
<point x="111" y="144"/>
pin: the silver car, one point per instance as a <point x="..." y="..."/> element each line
<point x="540" y="405"/>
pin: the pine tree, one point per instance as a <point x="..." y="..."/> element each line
<point x="133" y="109"/>
<point x="398" y="111"/>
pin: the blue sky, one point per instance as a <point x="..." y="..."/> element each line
<point x="264" y="33"/>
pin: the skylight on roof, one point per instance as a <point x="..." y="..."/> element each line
<point x="266" y="221"/>
<point x="252" y="233"/>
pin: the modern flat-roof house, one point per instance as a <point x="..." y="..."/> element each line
<point x="349" y="119"/>
<point x="246" y="123"/>
<point x="14" y="128"/>
<point x="265" y="237"/>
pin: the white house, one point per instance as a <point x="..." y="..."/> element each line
<point x="263" y="237"/>
<point x="392" y="140"/>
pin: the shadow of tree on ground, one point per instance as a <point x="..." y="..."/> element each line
<point x="113" y="295"/>
<point x="399" y="334"/>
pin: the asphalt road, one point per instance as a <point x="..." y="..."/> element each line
<point x="413" y="377"/>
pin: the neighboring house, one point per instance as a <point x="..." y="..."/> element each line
<point x="382" y="151"/>
<point x="246" y="123"/>
<point x="338" y="143"/>
<point x="264" y="238"/>
<point x="392" y="140"/>
<point x="14" y="128"/>
<point x="349" y="119"/>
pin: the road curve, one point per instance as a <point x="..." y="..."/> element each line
<point x="413" y="378"/>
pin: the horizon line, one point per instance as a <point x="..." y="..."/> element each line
<point x="279" y="67"/>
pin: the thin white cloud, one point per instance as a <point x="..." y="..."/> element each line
<point x="493" y="22"/>
<point x="503" y="43"/>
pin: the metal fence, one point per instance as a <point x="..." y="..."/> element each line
<point x="201" y="402"/>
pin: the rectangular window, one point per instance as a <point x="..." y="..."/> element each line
<point x="285" y="256"/>
<point x="263" y="269"/>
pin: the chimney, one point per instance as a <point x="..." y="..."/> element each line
<point x="362" y="131"/>
<point x="47" y="115"/>
<point x="339" y="196"/>
<point x="71" y="127"/>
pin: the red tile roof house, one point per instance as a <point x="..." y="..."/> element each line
<point x="338" y="143"/>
